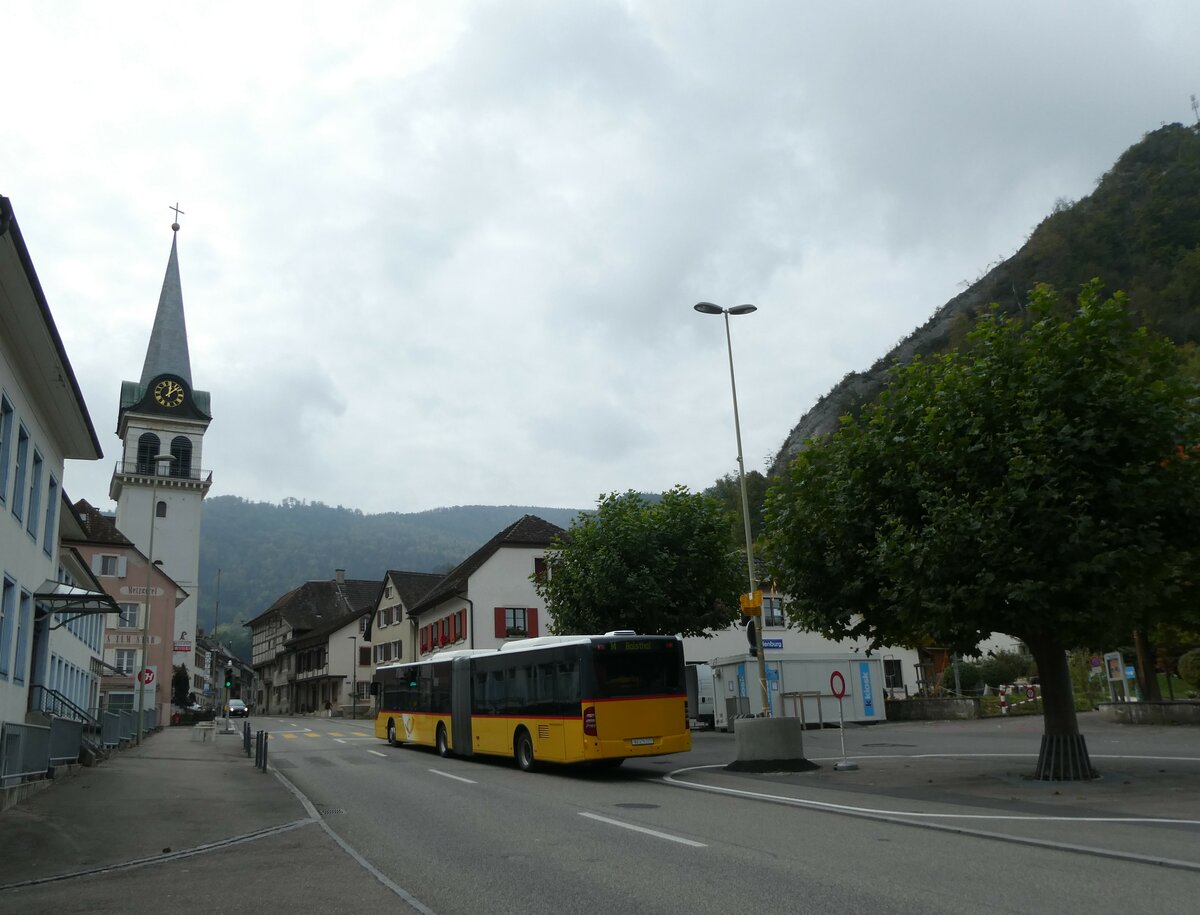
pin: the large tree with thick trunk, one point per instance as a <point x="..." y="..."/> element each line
<point x="1040" y="482"/>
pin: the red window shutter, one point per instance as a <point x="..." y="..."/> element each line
<point x="462" y="623"/>
<point x="531" y="621"/>
<point x="501" y="629"/>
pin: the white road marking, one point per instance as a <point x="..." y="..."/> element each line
<point x="377" y="753"/>
<point x="338" y="740"/>
<point x="457" y="778"/>
<point x="643" y="829"/>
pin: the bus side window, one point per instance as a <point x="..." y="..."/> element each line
<point x="567" y="686"/>
<point x="480" y="701"/>
<point x="497" y="694"/>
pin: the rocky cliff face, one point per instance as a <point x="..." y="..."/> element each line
<point x="1138" y="232"/>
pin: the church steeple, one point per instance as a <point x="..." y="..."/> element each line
<point x="168" y="349"/>
<point x="160" y="482"/>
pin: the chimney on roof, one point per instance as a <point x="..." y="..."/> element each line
<point x="340" y="575"/>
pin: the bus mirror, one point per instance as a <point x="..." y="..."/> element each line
<point x="374" y="688"/>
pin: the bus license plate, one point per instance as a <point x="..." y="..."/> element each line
<point x="642" y="741"/>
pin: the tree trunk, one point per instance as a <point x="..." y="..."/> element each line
<point x="1147" y="666"/>
<point x="1063" y="754"/>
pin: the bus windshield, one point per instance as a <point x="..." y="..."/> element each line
<point x="637" y="668"/>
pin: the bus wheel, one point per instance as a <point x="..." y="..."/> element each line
<point x="391" y="738"/>
<point x="443" y="746"/>
<point x="523" y="750"/>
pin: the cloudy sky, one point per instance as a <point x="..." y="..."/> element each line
<point x="446" y="253"/>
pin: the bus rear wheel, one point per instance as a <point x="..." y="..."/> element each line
<point x="523" y="750"/>
<point x="391" y="732"/>
<point x="443" y="745"/>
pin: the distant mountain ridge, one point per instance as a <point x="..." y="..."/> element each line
<point x="1139" y="232"/>
<point x="262" y="550"/>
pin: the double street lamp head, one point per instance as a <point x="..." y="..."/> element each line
<point x="708" y="308"/>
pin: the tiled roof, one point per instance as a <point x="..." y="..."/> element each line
<point x="529" y="531"/>
<point x="317" y="603"/>
<point x="412" y="586"/>
<point x="97" y="526"/>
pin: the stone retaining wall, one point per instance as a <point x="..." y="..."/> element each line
<point x="1179" y="711"/>
<point x="932" y="709"/>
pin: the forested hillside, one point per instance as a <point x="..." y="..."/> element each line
<point x="1139" y="232"/>
<point x="263" y="550"/>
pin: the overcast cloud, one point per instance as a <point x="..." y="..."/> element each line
<point x="446" y="253"/>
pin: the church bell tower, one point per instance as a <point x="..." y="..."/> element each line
<point x="159" y="484"/>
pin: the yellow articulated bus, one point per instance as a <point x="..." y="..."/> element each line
<point x="564" y="699"/>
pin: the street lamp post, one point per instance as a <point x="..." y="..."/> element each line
<point x="354" y="677"/>
<point x="159" y="460"/>
<point x="708" y="308"/>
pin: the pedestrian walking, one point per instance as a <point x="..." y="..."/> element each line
<point x="328" y="709"/>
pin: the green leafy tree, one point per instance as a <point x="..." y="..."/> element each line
<point x="1189" y="668"/>
<point x="180" y="687"/>
<point x="728" y="491"/>
<point x="1031" y="484"/>
<point x="658" y="567"/>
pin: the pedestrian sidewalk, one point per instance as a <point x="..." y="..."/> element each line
<point x="177" y="824"/>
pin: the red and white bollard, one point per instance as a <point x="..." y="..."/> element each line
<point x="1004" y="700"/>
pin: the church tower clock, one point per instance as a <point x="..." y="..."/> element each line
<point x="159" y="484"/>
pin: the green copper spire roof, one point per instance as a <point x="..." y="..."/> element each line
<point x="168" y="349"/>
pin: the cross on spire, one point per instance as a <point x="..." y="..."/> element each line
<point x="178" y="213"/>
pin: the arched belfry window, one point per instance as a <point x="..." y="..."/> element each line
<point x="181" y="450"/>
<point x="160" y="510"/>
<point x="147" y="451"/>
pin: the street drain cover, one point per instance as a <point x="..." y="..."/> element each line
<point x="327" y="811"/>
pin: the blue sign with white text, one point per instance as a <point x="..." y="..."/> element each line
<point x="776" y="644"/>
<point x="868" y="694"/>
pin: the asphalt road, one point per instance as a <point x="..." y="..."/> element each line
<point x="478" y="835"/>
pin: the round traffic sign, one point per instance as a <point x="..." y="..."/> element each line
<point x="1030" y="693"/>
<point x="146" y="676"/>
<point x="837" y="683"/>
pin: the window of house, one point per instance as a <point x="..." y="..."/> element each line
<point x="120" y="702"/>
<point x="125" y="659"/>
<point x="24" y="622"/>
<point x="6" y="424"/>
<point x="160" y="510"/>
<point x="34" y="515"/>
<point x="8" y="613"/>
<point x="51" y="511"/>
<point x="128" y="617"/>
<point x="387" y="592"/>
<point x="18" y="508"/>
<point x="514" y="621"/>
<point x="772" y="611"/>
<point x="893" y="674"/>
<point x="109" y="565"/>
<point x="364" y="656"/>
<point x="539" y="567"/>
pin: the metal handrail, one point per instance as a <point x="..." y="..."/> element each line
<point x="52" y="702"/>
<point x="147" y="469"/>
